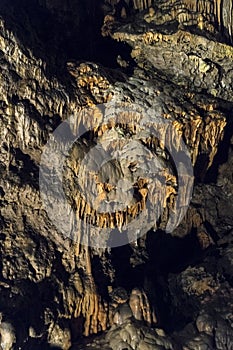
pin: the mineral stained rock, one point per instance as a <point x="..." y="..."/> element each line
<point x="54" y="287"/>
<point x="205" y="14"/>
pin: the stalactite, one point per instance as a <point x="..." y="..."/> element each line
<point x="90" y="305"/>
<point x="190" y="12"/>
<point x="142" y="4"/>
<point x="190" y="4"/>
<point x="218" y="7"/>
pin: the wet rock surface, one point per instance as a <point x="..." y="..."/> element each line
<point x="161" y="290"/>
<point x="131" y="335"/>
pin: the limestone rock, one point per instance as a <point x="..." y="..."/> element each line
<point x="59" y="289"/>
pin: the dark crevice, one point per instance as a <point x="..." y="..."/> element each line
<point x="172" y="254"/>
<point x="210" y="229"/>
<point x="124" y="272"/>
<point x="168" y="255"/>
<point x="58" y="35"/>
<point x="101" y="280"/>
<point x="25" y="168"/>
<point x="222" y="153"/>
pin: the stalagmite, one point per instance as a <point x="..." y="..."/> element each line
<point x="7" y="336"/>
<point x="140" y="306"/>
<point x="135" y="306"/>
<point x="200" y="22"/>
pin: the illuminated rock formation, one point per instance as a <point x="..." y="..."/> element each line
<point x="205" y="14"/>
<point x="56" y="286"/>
<point x="7" y="336"/>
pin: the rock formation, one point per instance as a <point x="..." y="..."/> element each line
<point x="132" y="259"/>
<point x="203" y="13"/>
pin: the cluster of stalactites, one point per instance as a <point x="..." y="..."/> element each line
<point x="99" y="314"/>
<point x="224" y="15"/>
<point x="136" y="4"/>
<point x="221" y="11"/>
<point x="142" y="4"/>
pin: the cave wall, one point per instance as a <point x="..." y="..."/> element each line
<point x="53" y="288"/>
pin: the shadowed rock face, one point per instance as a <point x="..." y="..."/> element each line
<point x="121" y="177"/>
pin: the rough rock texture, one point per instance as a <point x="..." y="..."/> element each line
<point x="210" y="15"/>
<point x="132" y="335"/>
<point x="188" y="59"/>
<point x="53" y="290"/>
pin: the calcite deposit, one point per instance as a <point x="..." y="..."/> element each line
<point x="116" y="174"/>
